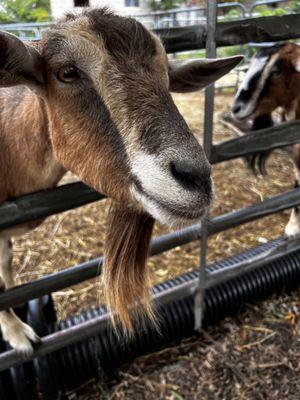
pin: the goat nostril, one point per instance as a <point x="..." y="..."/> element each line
<point x="191" y="176"/>
<point x="236" y="109"/>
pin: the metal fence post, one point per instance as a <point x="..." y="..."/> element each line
<point x="207" y="144"/>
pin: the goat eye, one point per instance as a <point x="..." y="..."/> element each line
<point x="276" y="72"/>
<point x="68" y="74"/>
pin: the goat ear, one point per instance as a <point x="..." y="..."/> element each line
<point x="189" y="76"/>
<point x="20" y="63"/>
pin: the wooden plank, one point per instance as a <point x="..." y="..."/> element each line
<point x="258" y="141"/>
<point x="262" y="29"/>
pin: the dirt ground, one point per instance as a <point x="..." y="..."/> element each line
<point x="254" y="357"/>
<point x="226" y="363"/>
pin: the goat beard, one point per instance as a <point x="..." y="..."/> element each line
<point x="125" y="274"/>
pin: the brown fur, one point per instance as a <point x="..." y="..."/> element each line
<point x="284" y="92"/>
<point x="284" y="89"/>
<point x="125" y="273"/>
<point x="27" y="162"/>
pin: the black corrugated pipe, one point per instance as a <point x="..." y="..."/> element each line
<point x="66" y="369"/>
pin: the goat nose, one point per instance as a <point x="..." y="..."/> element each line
<point x="192" y="176"/>
<point x="236" y="108"/>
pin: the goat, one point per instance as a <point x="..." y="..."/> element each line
<point x="273" y="81"/>
<point x="92" y="97"/>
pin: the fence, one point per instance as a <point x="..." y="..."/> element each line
<point x="153" y="20"/>
<point x="42" y="204"/>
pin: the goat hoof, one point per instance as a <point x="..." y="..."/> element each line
<point x="22" y="340"/>
<point x="291" y="231"/>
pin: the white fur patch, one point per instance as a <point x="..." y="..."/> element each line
<point x="297" y="65"/>
<point x="155" y="177"/>
<point x="293" y="227"/>
<point x="164" y="216"/>
<point x="258" y="65"/>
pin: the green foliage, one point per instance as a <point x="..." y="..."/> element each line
<point x="265" y="11"/>
<point x="24" y="11"/>
<point x="176" y="396"/>
<point x="295" y="6"/>
<point x="233" y="14"/>
<point x="161" y="5"/>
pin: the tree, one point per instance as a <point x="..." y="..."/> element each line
<point x="161" y="5"/>
<point x="24" y="11"/>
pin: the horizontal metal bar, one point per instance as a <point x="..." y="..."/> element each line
<point x="93" y="327"/>
<point x="74" y="275"/>
<point x="215" y="277"/>
<point x="27" y="24"/>
<point x="38" y="205"/>
<point x="57" y="341"/>
<point x="258" y="141"/>
<point x="285" y="247"/>
<point x="50" y="283"/>
<point x="267" y="207"/>
<point x="230" y="33"/>
<point x="189" y="10"/>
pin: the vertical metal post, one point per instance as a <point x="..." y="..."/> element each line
<point x="174" y="20"/>
<point x="199" y="294"/>
<point x="210" y="91"/>
<point x="211" y="7"/>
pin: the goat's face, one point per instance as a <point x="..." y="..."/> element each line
<point x="106" y="81"/>
<point x="273" y="80"/>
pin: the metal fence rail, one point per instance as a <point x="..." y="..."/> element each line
<point x="45" y="203"/>
<point x="155" y="19"/>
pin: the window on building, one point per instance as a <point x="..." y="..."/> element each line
<point x="81" y="3"/>
<point x="131" y="3"/>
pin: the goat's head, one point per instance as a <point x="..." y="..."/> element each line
<point x="106" y="80"/>
<point x="272" y="81"/>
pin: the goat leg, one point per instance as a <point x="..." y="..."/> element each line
<point x="19" y="335"/>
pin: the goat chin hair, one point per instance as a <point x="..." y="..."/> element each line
<point x="125" y="274"/>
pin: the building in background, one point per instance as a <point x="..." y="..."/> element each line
<point x="59" y="7"/>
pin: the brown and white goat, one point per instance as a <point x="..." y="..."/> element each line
<point x="92" y="96"/>
<point x="273" y="81"/>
